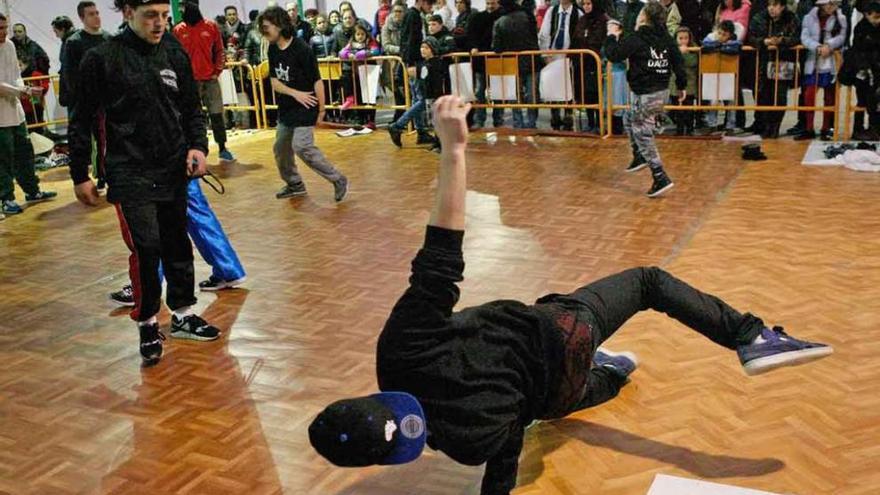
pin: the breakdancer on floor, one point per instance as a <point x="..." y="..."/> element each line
<point x="468" y="383"/>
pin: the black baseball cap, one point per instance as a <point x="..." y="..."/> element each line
<point x="385" y="428"/>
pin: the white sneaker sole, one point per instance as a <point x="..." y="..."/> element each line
<point x="292" y="195"/>
<point x="180" y="334"/>
<point x="661" y="191"/>
<point x="792" y="358"/>
<point x="225" y="285"/>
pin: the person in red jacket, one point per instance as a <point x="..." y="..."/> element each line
<point x="203" y="43"/>
<point x="33" y="105"/>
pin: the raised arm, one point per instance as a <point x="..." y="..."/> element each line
<point x="452" y="130"/>
<point x="616" y="50"/>
<point x="432" y="292"/>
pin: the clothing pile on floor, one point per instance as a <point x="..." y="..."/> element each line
<point x="862" y="157"/>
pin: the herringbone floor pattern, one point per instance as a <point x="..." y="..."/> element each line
<point x="795" y="245"/>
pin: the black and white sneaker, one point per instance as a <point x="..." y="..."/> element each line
<point x="662" y="183"/>
<point x="636" y="164"/>
<point x="193" y="327"/>
<point x="151" y="343"/>
<point x="214" y="284"/>
<point x="40" y="196"/>
<point x="288" y="191"/>
<point x="124" y="297"/>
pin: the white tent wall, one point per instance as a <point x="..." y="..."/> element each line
<point x="37" y="15"/>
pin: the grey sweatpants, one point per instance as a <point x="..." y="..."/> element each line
<point x="639" y="122"/>
<point x="300" y="141"/>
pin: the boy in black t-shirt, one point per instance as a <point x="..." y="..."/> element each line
<point x="299" y="92"/>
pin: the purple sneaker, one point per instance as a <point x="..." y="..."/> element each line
<point x="778" y="349"/>
<point x="622" y="363"/>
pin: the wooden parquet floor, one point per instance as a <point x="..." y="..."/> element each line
<point x="797" y="245"/>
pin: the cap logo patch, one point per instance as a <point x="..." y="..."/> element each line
<point x="412" y="426"/>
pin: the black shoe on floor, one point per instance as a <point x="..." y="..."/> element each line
<point x="805" y="136"/>
<point x="340" y="188"/>
<point x="151" y="343"/>
<point x="395" y="136"/>
<point x="425" y="138"/>
<point x="662" y="183"/>
<point x="794" y="131"/>
<point x="288" y="191"/>
<point x="124" y="297"/>
<point x="40" y="196"/>
<point x="864" y="135"/>
<point x="214" y="284"/>
<point x="636" y="164"/>
<point x="193" y="327"/>
<point x="826" y="135"/>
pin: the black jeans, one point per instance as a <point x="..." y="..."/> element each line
<point x="608" y="303"/>
<point x="155" y="231"/>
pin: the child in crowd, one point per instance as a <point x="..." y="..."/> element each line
<point x="429" y="74"/>
<point x="684" y="119"/>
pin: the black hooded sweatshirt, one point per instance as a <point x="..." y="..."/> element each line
<point x="653" y="59"/>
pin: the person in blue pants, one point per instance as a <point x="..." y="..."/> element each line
<point x="207" y="234"/>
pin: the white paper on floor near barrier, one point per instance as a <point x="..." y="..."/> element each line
<point x="672" y="485"/>
<point x="227" y="87"/>
<point x="502" y="88"/>
<point x="556" y="81"/>
<point x="368" y="75"/>
<point x="718" y="87"/>
<point x="462" y="79"/>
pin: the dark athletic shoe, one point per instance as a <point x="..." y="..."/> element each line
<point x="621" y="363"/>
<point x="193" y="327"/>
<point x="636" y="164"/>
<point x="124" y="297"/>
<point x="661" y="184"/>
<point x="151" y="343"/>
<point x="777" y="349"/>
<point x="298" y="189"/>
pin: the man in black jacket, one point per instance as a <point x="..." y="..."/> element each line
<point x="861" y="68"/>
<point x="83" y="40"/>
<point x="775" y="31"/>
<point x="156" y="138"/>
<point x="479" y="39"/>
<point x="517" y="31"/>
<point x="468" y="383"/>
<point x="301" y="27"/>
<point x="413" y="31"/>
<point x="32" y="49"/>
<point x="234" y="28"/>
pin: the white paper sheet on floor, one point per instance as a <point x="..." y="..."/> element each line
<point x="672" y="485"/>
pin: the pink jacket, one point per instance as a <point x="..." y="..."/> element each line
<point x="361" y="52"/>
<point x="740" y="16"/>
